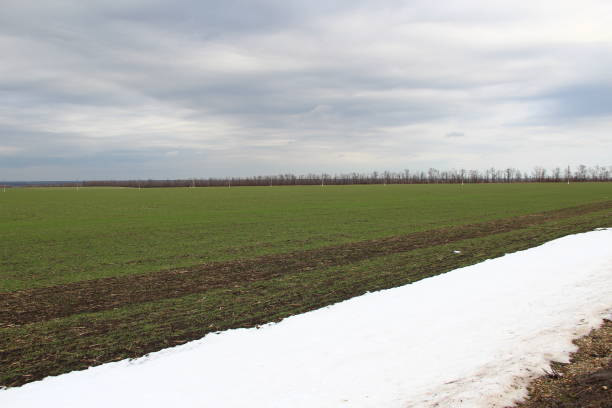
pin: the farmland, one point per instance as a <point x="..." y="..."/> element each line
<point x="99" y="274"/>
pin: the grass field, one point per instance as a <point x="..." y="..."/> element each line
<point x="96" y="275"/>
<point x="54" y="236"/>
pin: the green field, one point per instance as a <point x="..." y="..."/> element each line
<point x="101" y="274"/>
<point x="52" y="236"/>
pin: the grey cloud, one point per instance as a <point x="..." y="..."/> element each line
<point x="455" y="134"/>
<point x="81" y="79"/>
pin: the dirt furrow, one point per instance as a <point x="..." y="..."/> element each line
<point x="27" y="306"/>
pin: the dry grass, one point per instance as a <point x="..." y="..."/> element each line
<point x="585" y="382"/>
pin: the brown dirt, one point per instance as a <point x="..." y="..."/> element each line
<point x="586" y="382"/>
<point x="27" y="306"/>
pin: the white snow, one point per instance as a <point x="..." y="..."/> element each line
<point x="469" y="338"/>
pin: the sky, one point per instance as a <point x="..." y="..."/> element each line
<point x="197" y="88"/>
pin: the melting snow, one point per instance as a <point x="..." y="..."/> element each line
<point x="469" y="338"/>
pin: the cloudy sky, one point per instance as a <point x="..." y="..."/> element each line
<point x="174" y="89"/>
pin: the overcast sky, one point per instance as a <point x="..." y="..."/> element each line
<point x="175" y="89"/>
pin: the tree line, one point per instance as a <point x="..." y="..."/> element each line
<point x="431" y="176"/>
